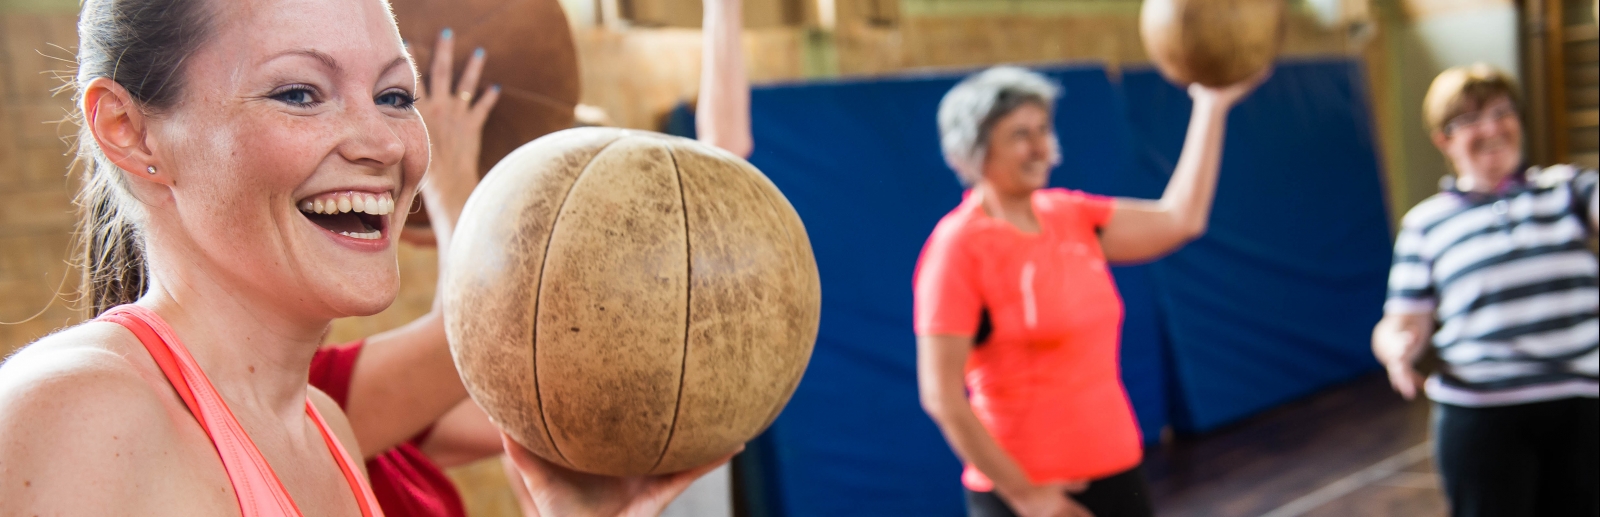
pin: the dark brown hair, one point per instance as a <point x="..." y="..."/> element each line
<point x="141" y="45"/>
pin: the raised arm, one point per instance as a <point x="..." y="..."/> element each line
<point x="405" y="379"/>
<point x="941" y="361"/>
<point x="1140" y="229"/>
<point x="722" y="115"/>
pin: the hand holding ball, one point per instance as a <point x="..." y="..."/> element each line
<point x="1211" y="42"/>
<point x="626" y="303"/>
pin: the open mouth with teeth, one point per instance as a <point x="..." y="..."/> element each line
<point x="358" y="215"/>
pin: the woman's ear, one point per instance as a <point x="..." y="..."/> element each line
<point x="120" y="129"/>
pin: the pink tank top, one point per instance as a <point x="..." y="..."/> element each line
<point x="260" y="492"/>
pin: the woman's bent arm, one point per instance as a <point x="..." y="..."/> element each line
<point x="941" y="361"/>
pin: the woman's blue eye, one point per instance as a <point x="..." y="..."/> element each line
<point x="396" y="98"/>
<point x="294" y="96"/>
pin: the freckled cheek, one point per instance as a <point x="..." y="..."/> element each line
<point x="265" y="163"/>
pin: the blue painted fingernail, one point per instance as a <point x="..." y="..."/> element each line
<point x="446" y="32"/>
<point x="495" y="87"/>
<point x="478" y="52"/>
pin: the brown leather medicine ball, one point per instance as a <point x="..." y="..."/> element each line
<point x="624" y="302"/>
<point x="1211" y="42"/>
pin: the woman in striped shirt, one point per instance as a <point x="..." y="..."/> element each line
<point x="1494" y="273"/>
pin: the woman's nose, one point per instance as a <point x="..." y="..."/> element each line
<point x="372" y="138"/>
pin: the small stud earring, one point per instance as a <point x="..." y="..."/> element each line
<point x="151" y="169"/>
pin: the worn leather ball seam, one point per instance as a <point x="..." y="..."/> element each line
<point x="688" y="307"/>
<point x="538" y="297"/>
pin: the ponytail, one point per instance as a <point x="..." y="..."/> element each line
<point x="109" y="250"/>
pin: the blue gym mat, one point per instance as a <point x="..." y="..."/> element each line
<point x="1276" y="301"/>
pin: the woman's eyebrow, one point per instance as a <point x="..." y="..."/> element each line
<point x="397" y="62"/>
<point x="323" y="57"/>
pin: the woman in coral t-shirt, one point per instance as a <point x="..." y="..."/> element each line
<point x="1015" y="304"/>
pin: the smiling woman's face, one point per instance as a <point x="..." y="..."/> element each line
<point x="292" y="150"/>
<point x="1021" y="150"/>
<point x="1486" y="141"/>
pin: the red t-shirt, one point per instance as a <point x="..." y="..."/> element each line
<point x="405" y="481"/>
<point x="1046" y="383"/>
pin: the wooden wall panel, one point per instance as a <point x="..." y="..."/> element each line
<point x="758" y="14"/>
<point x="36" y="215"/>
<point x="1563" y="81"/>
<point x="1581" y="68"/>
<point x="637" y="75"/>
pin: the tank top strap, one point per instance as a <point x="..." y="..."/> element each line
<point x="347" y="464"/>
<point x="260" y="492"/>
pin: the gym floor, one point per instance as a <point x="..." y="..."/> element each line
<point x="1357" y="449"/>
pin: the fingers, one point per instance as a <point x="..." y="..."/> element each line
<point x="703" y="469"/>
<point x="519" y="488"/>
<point x="688" y="476"/>
<point x="1406" y="341"/>
<point x="1260" y="77"/>
<point x="1069" y="486"/>
<point x="1244" y="89"/>
<point x="526" y="463"/>
<point x="518" y="454"/>
<point x="443" y="63"/>
<point x="1404" y="380"/>
<point x="1404" y="388"/>
<point x="1231" y="94"/>
<point x="674" y="484"/>
<point x="469" y="77"/>
<point x="524" y="472"/>
<point x="485" y="103"/>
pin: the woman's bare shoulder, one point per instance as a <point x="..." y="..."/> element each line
<point x="92" y="358"/>
<point x="81" y="423"/>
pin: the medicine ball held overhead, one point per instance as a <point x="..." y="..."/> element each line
<point x="624" y="303"/>
<point x="1211" y="42"/>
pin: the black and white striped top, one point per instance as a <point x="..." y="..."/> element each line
<point x="1512" y="285"/>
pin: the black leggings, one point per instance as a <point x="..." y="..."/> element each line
<point x="1527" y="459"/>
<point x="1121" y="495"/>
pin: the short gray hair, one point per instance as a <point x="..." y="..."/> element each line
<point x="971" y="108"/>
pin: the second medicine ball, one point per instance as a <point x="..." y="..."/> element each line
<point x="1211" y="42"/>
